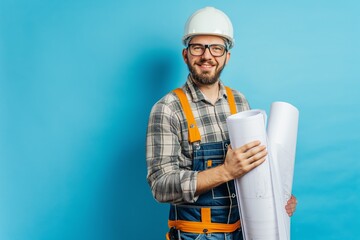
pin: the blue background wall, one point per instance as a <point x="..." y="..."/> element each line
<point x="78" y="79"/>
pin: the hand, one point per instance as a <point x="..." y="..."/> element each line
<point x="241" y="160"/>
<point x="291" y="205"/>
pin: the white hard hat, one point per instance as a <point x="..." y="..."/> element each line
<point x="209" y="21"/>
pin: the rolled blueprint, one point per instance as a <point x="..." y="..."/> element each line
<point x="263" y="192"/>
<point x="254" y="189"/>
<point x="282" y="137"/>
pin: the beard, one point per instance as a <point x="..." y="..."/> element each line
<point x="205" y="77"/>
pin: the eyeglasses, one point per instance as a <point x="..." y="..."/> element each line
<point x="216" y="50"/>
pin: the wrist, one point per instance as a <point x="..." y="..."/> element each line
<point x="224" y="173"/>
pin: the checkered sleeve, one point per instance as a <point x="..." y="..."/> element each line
<point x="168" y="182"/>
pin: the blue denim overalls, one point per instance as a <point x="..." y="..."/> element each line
<point x="216" y="211"/>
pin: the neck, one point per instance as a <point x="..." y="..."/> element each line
<point x="210" y="91"/>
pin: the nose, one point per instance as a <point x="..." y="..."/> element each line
<point x="207" y="53"/>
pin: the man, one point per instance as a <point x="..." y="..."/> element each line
<point x="190" y="162"/>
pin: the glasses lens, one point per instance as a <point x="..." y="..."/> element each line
<point x="217" y="50"/>
<point x="197" y="49"/>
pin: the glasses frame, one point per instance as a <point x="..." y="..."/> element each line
<point x="205" y="46"/>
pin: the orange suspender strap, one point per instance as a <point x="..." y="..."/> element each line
<point x="206" y="215"/>
<point x="231" y="100"/>
<point x="194" y="133"/>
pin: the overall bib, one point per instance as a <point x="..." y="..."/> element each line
<point x="215" y="211"/>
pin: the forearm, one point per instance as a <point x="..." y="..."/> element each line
<point x="173" y="186"/>
<point x="211" y="178"/>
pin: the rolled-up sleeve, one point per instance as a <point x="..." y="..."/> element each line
<point x="168" y="181"/>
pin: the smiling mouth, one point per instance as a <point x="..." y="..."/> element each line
<point x="206" y="66"/>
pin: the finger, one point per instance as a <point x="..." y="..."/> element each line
<point x="292" y="200"/>
<point x="255" y="163"/>
<point x="249" y="146"/>
<point x="256" y="152"/>
<point x="256" y="160"/>
<point x="291" y="206"/>
<point x="290" y="211"/>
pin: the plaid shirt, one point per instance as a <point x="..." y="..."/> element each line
<point x="168" y="152"/>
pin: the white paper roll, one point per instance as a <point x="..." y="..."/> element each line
<point x="254" y="190"/>
<point x="263" y="192"/>
<point x="282" y="137"/>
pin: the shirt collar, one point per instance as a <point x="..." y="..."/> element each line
<point x="197" y="95"/>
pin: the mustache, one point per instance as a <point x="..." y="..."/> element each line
<point x="201" y="61"/>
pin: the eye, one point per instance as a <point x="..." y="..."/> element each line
<point x="217" y="48"/>
<point x="197" y="47"/>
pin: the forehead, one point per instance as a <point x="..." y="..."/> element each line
<point x="207" y="39"/>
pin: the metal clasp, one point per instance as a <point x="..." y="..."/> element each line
<point x="197" y="145"/>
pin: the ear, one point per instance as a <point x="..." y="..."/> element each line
<point x="185" y="55"/>
<point x="227" y="57"/>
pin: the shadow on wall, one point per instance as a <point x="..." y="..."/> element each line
<point x="128" y="206"/>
